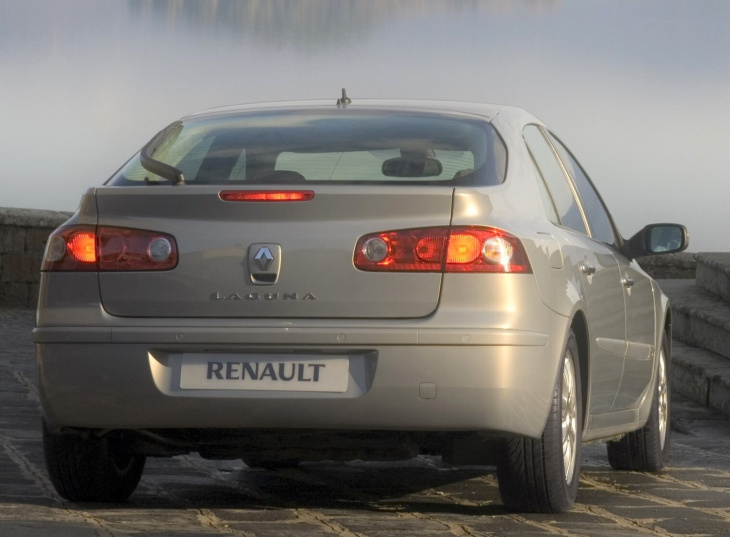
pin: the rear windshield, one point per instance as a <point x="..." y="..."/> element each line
<point x="294" y="147"/>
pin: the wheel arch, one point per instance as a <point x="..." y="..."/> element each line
<point x="667" y="327"/>
<point x="579" y="325"/>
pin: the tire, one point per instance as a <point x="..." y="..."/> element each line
<point x="647" y="449"/>
<point x="91" y="469"/>
<point x="537" y="475"/>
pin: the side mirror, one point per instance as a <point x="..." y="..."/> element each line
<point x="412" y="167"/>
<point x="656" y="239"/>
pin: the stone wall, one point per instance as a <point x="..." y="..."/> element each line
<point x="23" y="235"/>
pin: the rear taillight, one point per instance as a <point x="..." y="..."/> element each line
<point x="442" y="249"/>
<point x="88" y="248"/>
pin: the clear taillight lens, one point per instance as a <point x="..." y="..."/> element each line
<point x="442" y="249"/>
<point x="88" y="248"/>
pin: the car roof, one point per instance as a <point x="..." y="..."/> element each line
<point x="484" y="111"/>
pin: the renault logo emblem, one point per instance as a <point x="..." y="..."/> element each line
<point x="264" y="258"/>
<point x="264" y="263"/>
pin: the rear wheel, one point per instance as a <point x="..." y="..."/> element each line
<point x="91" y="469"/>
<point x="541" y="475"/>
<point x="647" y="449"/>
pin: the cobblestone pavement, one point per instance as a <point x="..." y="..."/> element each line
<point x="191" y="496"/>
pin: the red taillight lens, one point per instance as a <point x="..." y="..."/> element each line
<point x="266" y="195"/>
<point x="82" y="247"/>
<point x="431" y="249"/>
<point x="86" y="248"/>
<point x="131" y="249"/>
<point x="405" y="250"/>
<point x="72" y="249"/>
<point x="442" y="249"/>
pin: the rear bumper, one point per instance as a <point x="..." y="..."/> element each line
<point x="486" y="360"/>
<point x="491" y="380"/>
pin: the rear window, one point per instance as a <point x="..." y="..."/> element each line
<point x="343" y="146"/>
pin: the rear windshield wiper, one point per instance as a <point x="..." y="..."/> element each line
<point x="166" y="171"/>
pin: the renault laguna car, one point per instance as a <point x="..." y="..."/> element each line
<point x="354" y="280"/>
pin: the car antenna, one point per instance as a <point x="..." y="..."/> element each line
<point x="343" y="101"/>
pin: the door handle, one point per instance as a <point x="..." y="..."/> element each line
<point x="628" y="282"/>
<point x="587" y="269"/>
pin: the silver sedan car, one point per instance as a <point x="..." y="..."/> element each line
<point x="353" y="280"/>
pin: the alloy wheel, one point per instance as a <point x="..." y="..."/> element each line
<point x="662" y="398"/>
<point x="569" y="417"/>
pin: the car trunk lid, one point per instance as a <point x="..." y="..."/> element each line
<point x="275" y="259"/>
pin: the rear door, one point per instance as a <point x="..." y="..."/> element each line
<point x="598" y="270"/>
<point x="628" y="281"/>
<point x="271" y="259"/>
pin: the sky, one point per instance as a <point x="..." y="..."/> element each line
<point x="638" y="90"/>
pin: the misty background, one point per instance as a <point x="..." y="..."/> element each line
<point x="639" y="91"/>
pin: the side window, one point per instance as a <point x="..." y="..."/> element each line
<point x="596" y="213"/>
<point x="557" y="183"/>
<point x="547" y="202"/>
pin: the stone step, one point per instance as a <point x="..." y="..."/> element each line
<point x="679" y="266"/>
<point x="699" y="317"/>
<point x="713" y="273"/>
<point x="701" y="375"/>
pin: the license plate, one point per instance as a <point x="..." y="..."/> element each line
<point x="294" y="373"/>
